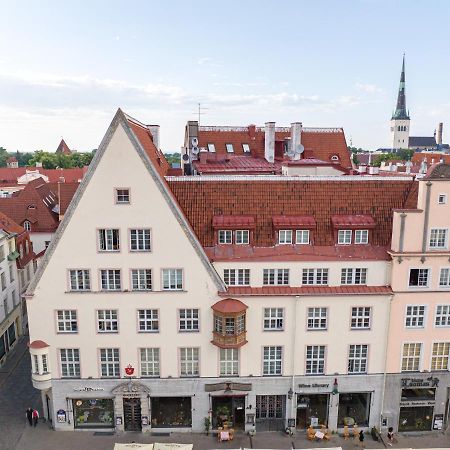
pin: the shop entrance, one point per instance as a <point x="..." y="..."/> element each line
<point x="132" y="414"/>
<point x="312" y="410"/>
<point x="270" y="412"/>
<point x="416" y="418"/>
<point x="228" y="409"/>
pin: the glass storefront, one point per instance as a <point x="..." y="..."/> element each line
<point x="312" y="410"/>
<point x="354" y="408"/>
<point x="93" y="413"/>
<point x="415" y="418"/>
<point x="413" y="394"/>
<point x="171" y="412"/>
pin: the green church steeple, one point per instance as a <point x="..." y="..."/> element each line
<point x="400" y="111"/>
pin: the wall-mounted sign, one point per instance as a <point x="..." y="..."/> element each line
<point x="228" y="386"/>
<point x="291" y="423"/>
<point x="420" y="382"/>
<point x="438" y="422"/>
<point x="88" y="389"/>
<point x="418" y="403"/>
<point x="144" y="420"/>
<point x="118" y="420"/>
<point x="314" y="385"/>
<point x="61" y="416"/>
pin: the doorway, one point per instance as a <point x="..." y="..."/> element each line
<point x="132" y="414"/>
<point x="229" y="409"/>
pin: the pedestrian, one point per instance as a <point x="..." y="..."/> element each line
<point x="29" y="414"/>
<point x="361" y="439"/>
<point x="35" y="416"/>
<point x="390" y="436"/>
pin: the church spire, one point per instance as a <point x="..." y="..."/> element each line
<point x="400" y="111"/>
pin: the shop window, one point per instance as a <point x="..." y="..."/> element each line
<point x="93" y="413"/>
<point x="415" y="418"/>
<point x="354" y="408"/>
<point x="171" y="412"/>
<point x="312" y="410"/>
<point x="413" y="394"/>
<point x="270" y="406"/>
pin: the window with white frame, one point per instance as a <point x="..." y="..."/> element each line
<point x="317" y="318"/>
<point x="229" y="148"/>
<point x="353" y="276"/>
<point x="315" y="359"/>
<point x="411" y="357"/>
<point x="110" y="279"/>
<point x="211" y="148"/>
<point x="361" y="316"/>
<point x="285" y="236"/>
<point x="272" y="360"/>
<point x="172" y="279"/>
<point x="27" y="225"/>
<point x="418" y="277"/>
<point x="122" y="195"/>
<point x="109" y="362"/>
<point x="189" y="362"/>
<point x="361" y="236"/>
<point x="188" y="320"/>
<point x="66" y="321"/>
<point x="357" y="358"/>
<point x="444" y="278"/>
<point x="344" y="236"/>
<point x="242" y="237"/>
<point x="438" y="238"/>
<point x="229" y="362"/>
<point x="148" y="320"/>
<point x="415" y="316"/>
<point x="315" y="276"/>
<point x="225" y="236"/>
<point x="107" y="321"/>
<point x="141" y="279"/>
<point x="439" y="356"/>
<point x="246" y="148"/>
<point x="276" y="277"/>
<point x="44" y="364"/>
<point x="140" y="240"/>
<point x="302" y="236"/>
<point x="70" y="362"/>
<point x="149" y="362"/>
<point x="236" y="277"/>
<point x="442" y="199"/>
<point x="35" y="364"/>
<point x="109" y="240"/>
<point x="273" y="319"/>
<point x="442" y="318"/>
<point x="80" y="280"/>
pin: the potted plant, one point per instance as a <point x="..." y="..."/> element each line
<point x="207" y="423"/>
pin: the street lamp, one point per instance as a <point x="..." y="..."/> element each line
<point x="335" y="387"/>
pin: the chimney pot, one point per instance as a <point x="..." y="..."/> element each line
<point x="269" y="141"/>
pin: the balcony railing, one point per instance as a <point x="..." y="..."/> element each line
<point x="229" y="340"/>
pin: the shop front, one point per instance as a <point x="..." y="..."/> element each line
<point x="270" y="412"/>
<point x="228" y="409"/>
<point x="312" y="409"/>
<point x="354" y="409"/>
<point x="93" y="413"/>
<point x="171" y="412"/>
<point x="416" y="408"/>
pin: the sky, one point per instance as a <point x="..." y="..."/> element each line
<point x="65" y="67"/>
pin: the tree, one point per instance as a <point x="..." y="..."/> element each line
<point x="173" y="157"/>
<point x="403" y="154"/>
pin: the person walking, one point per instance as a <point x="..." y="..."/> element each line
<point x="361" y="439"/>
<point x="29" y="414"/>
<point x="35" y="417"/>
<point x="390" y="436"/>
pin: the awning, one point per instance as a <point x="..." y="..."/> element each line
<point x="290" y="222"/>
<point x="233" y="222"/>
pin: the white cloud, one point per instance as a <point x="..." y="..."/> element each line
<point x="368" y="88"/>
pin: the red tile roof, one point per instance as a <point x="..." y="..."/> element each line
<point x="353" y="221"/>
<point x="289" y="222"/>
<point x="65" y="192"/>
<point x="418" y="157"/>
<point x="38" y="344"/>
<point x="237" y="165"/>
<point x="9" y="225"/>
<point x="230" y="222"/>
<point x="9" y="175"/>
<point x="63" y="148"/>
<point x="229" y="305"/>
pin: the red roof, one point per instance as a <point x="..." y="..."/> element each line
<point x="63" y="148"/>
<point x="237" y="165"/>
<point x="293" y="221"/>
<point x="418" y="157"/>
<point x="11" y="159"/>
<point x="38" y="344"/>
<point x="353" y="221"/>
<point x="9" y="175"/>
<point x="65" y="192"/>
<point x="9" y="225"/>
<point x="309" y="290"/>
<point x="229" y="305"/>
<point x="231" y="222"/>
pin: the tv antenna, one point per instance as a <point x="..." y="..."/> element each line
<point x="200" y="112"/>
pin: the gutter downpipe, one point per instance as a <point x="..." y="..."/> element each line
<point x="294" y="346"/>
<point x="426" y="220"/>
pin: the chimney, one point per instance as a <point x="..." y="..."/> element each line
<point x="439" y="133"/>
<point x="154" y="129"/>
<point x="296" y="137"/>
<point x="373" y="170"/>
<point x="269" y="141"/>
<point x="252" y="132"/>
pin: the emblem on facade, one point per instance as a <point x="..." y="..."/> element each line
<point x="131" y="387"/>
<point x="129" y="370"/>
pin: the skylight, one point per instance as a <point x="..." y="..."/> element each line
<point x="229" y="148"/>
<point x="211" y="148"/>
<point x="246" y="148"/>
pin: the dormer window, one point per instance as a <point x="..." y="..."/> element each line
<point x="229" y="148"/>
<point x="234" y="229"/>
<point x="290" y="227"/>
<point x="335" y="158"/>
<point x="211" y="148"/>
<point x="285" y="236"/>
<point x="27" y="225"/>
<point x="345" y="237"/>
<point x="242" y="237"/>
<point x="246" y="148"/>
<point x="302" y="237"/>
<point x="347" y="226"/>
<point x="225" y="236"/>
<point x="361" y="236"/>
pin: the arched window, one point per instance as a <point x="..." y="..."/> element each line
<point x="27" y="225"/>
<point x="335" y="158"/>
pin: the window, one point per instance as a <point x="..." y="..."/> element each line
<point x="229" y="362"/>
<point x="109" y="240"/>
<point x="46" y="243"/>
<point x="315" y="359"/>
<point x="189" y="362"/>
<point x="11" y="273"/>
<point x="122" y="195"/>
<point x="67" y="321"/>
<point x="3" y="280"/>
<point x="444" y="278"/>
<point x="270" y="406"/>
<point x="44" y="364"/>
<point x="415" y="316"/>
<point x="141" y="279"/>
<point x="70" y="362"/>
<point x="302" y="236"/>
<point x="27" y="225"/>
<point x="418" y="277"/>
<point x="411" y="357"/>
<point x="273" y="318"/>
<point x="361" y="236"/>
<point x="107" y="321"/>
<point x="172" y="279"/>
<point x="236" y="277"/>
<point x="242" y="237"/>
<point x="344" y="236"/>
<point x="149" y="362"/>
<point x="317" y="319"/>
<point x="14" y="297"/>
<point x="285" y="236"/>
<point x="272" y="361"/>
<point x="357" y="359"/>
<point x="140" y="240"/>
<point x="225" y="237"/>
<point x="109" y="362"/>
<point x="361" y="317"/>
<point x="315" y="276"/>
<point x="35" y="363"/>
<point x="110" y="279"/>
<point x="246" y="148"/>
<point x="229" y="148"/>
<point x="442" y="199"/>
<point x="80" y="280"/>
<point x="276" y="276"/>
<point x="188" y="320"/>
<point x="439" y="357"/>
<point x="438" y="238"/>
<point x="148" y="320"/>
<point x="2" y="252"/>
<point x="442" y="316"/>
<point x="353" y="276"/>
<point x="211" y="148"/>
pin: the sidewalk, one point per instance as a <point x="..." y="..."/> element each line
<point x="14" y="358"/>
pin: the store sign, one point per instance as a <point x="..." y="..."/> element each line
<point x="61" y="416"/>
<point x="417" y="403"/>
<point x="88" y="389"/>
<point x="438" y="422"/>
<point x="314" y="385"/>
<point x="420" y="382"/>
<point x="227" y="387"/>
